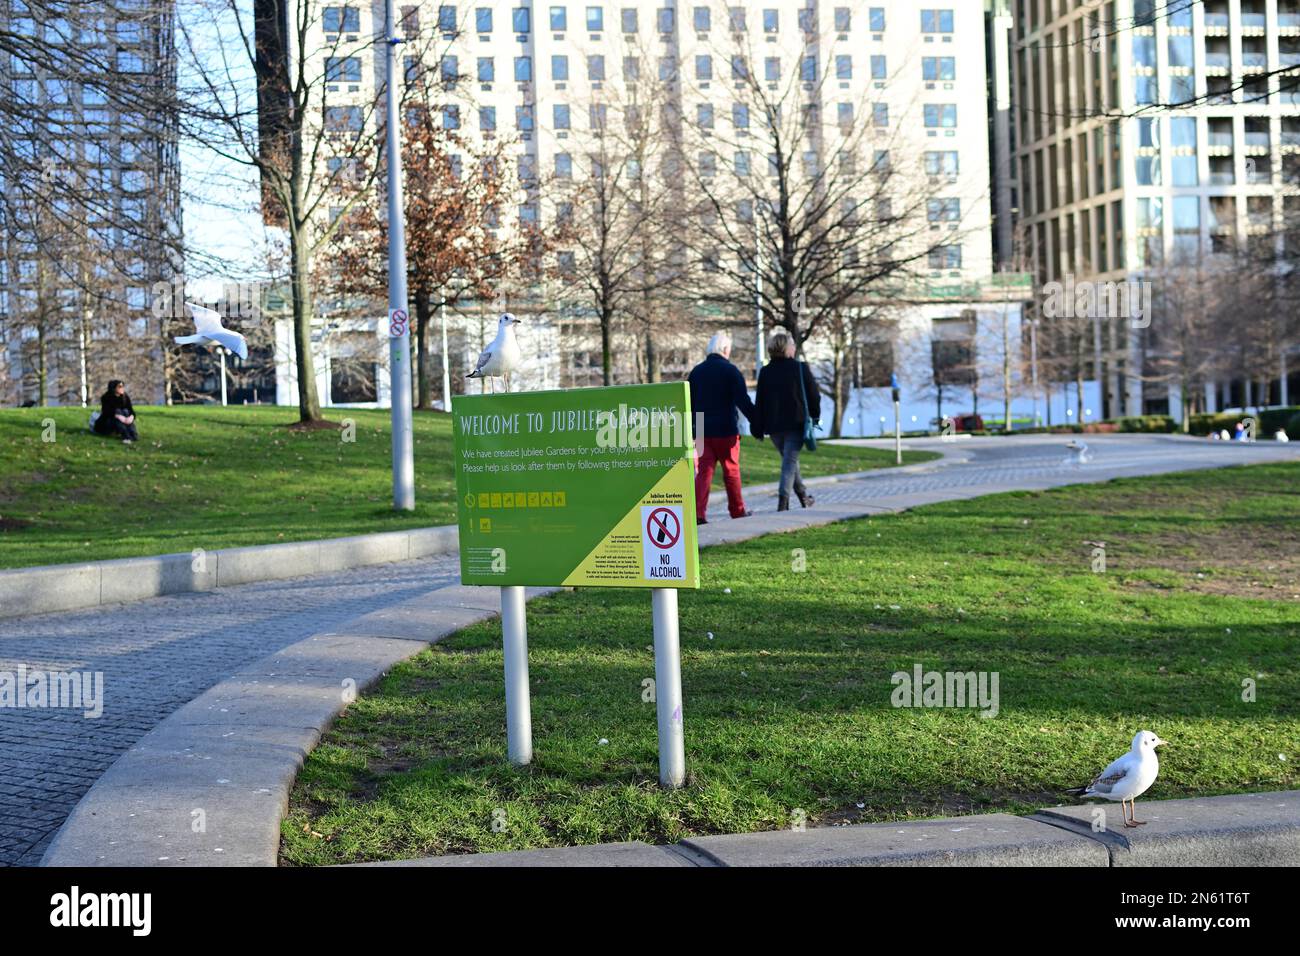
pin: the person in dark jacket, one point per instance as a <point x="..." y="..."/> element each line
<point x="718" y="391"/>
<point x="781" y="412"/>
<point x="116" y="415"/>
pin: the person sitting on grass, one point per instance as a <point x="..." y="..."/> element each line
<point x="116" y="415"/>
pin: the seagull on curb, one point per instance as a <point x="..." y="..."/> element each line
<point x="502" y="356"/>
<point x="211" y="332"/>
<point x="1127" y="778"/>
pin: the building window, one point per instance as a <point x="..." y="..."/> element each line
<point x="597" y="115"/>
<point x="844" y="114"/>
<point x="843" y="19"/>
<point x="523" y="69"/>
<point x="342" y="20"/>
<point x="940" y="115"/>
<point x="878" y="68"/>
<point x="938" y="68"/>
<point x="449" y="70"/>
<point x="487" y="118"/>
<point x="704" y="67"/>
<point x="876" y="16"/>
<point x="941" y="163"/>
<point x="446" y="19"/>
<point x="559" y="19"/>
<point x="339" y="119"/>
<point x="665" y="19"/>
<point x="844" y="66"/>
<point x="483" y="19"/>
<point x="771" y="22"/>
<point x="521" y="19"/>
<point x="595" y="19"/>
<point x="560" y="115"/>
<point x="879" y="114"/>
<point x="596" y="67"/>
<point x="945" y="257"/>
<point x="703" y="19"/>
<point x="524" y="118"/>
<point x="808" y="69"/>
<point x="342" y="69"/>
<point x="487" y="70"/>
<point x="936" y="21"/>
<point x="739" y="69"/>
<point x="772" y="68"/>
<point x="631" y="68"/>
<point x="740" y="116"/>
<point x="736" y="18"/>
<point x="741" y="162"/>
<point x="806" y="19"/>
<point x="451" y="117"/>
<point x="630" y="20"/>
<point x="563" y="166"/>
<point x="559" y="67"/>
<point x="704" y="115"/>
<point x="943" y="210"/>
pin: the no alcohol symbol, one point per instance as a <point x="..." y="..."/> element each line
<point x="663" y="527"/>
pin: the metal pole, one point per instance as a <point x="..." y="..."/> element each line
<point x="758" y="300"/>
<point x="668" y="689"/>
<point x="222" y="353"/>
<point x="1033" y="363"/>
<point x="399" y="326"/>
<point x="446" y="368"/>
<point x="519" y="712"/>
<point x="898" y="435"/>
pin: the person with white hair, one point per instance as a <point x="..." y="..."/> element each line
<point x="718" y="392"/>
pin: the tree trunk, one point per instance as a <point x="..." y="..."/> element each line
<point x="423" y="371"/>
<point x="606" y="321"/>
<point x="651" y="356"/>
<point x="308" y="401"/>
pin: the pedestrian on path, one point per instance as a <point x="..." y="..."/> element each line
<point x="718" y="392"/>
<point x="116" y="414"/>
<point x="787" y="397"/>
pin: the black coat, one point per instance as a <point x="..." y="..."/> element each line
<point x="718" y="390"/>
<point x="111" y="406"/>
<point x="780" y="401"/>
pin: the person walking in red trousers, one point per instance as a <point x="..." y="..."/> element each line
<point x="718" y="392"/>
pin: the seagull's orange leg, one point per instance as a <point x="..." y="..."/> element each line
<point x="1123" y="806"/>
<point x="1136" y="821"/>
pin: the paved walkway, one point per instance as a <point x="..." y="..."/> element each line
<point x="160" y="654"/>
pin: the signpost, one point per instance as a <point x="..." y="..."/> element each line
<point x="591" y="487"/>
<point x="898" y="433"/>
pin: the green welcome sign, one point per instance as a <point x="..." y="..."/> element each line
<point x="588" y="486"/>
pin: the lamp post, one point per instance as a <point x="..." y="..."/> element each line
<point x="399" y="325"/>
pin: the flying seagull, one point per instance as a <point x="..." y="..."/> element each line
<point x="503" y="355"/>
<point x="210" y="332"/>
<point x="1127" y="778"/>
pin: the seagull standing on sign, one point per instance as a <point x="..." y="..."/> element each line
<point x="1128" y="777"/>
<point x="501" y="357"/>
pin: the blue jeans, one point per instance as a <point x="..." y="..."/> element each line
<point x="788" y="444"/>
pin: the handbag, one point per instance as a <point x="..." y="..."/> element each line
<point x="810" y="427"/>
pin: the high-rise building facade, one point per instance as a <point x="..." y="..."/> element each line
<point x="905" y="82"/>
<point x="1150" y="136"/>
<point x="91" y="199"/>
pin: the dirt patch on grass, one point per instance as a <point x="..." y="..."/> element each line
<point x="314" y="426"/>
<point x="13" y="524"/>
<point x="1242" y="560"/>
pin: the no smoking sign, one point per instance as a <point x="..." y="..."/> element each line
<point x="663" y="548"/>
<point x="397" y="323"/>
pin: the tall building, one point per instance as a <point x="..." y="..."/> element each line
<point x="1150" y="134"/>
<point x="91" y="200"/>
<point x="548" y="78"/>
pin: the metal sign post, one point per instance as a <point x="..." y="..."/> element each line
<point x="668" y="689"/>
<point x="399" y="337"/>
<point x="519" y="711"/>
<point x="898" y="428"/>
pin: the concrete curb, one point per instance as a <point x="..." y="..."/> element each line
<point x="69" y="587"/>
<point x="1254" y="829"/>
<point x="210" y="784"/>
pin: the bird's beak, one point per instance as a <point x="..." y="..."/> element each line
<point x="1159" y="742"/>
<point x="516" y="322"/>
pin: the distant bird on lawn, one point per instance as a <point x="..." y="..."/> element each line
<point x="501" y="357"/>
<point x="210" y="332"/>
<point x="1127" y="778"/>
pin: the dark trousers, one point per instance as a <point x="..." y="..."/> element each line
<point x="124" y="431"/>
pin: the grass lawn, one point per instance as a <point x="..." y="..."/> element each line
<point x="787" y="707"/>
<point x="204" y="476"/>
